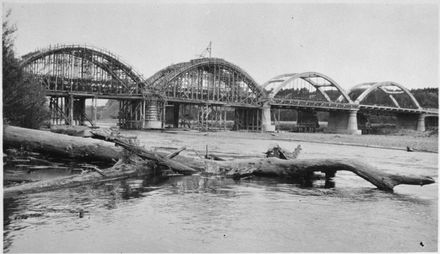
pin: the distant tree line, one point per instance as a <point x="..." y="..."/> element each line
<point x="427" y="97"/>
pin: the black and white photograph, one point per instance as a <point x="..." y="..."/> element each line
<point x="221" y="126"/>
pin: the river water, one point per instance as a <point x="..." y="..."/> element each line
<point x="214" y="214"/>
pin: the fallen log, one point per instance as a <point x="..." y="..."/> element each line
<point x="270" y="167"/>
<point x="305" y="167"/>
<point x="273" y="166"/>
<point x="150" y="155"/>
<point x="172" y="155"/>
<point x="234" y="168"/>
<point x="59" y="144"/>
<point x="293" y="168"/>
<point x="132" y="166"/>
<point x="162" y="160"/>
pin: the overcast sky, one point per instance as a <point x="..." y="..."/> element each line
<point x="352" y="43"/>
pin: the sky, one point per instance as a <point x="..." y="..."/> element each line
<point x="350" y="42"/>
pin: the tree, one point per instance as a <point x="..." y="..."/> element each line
<point x="24" y="102"/>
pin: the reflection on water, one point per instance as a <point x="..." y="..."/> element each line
<point x="214" y="214"/>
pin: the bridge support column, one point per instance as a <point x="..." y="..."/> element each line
<point x="80" y="110"/>
<point x="266" y="123"/>
<point x="151" y="115"/>
<point x="352" y="125"/>
<point x="69" y="109"/>
<point x="94" y="108"/>
<point x="176" y="115"/>
<point x="421" y="123"/>
<point x="343" y="122"/>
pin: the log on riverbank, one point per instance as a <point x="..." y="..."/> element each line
<point x="292" y="168"/>
<point x="304" y="168"/>
<point x="59" y="144"/>
<point x="271" y="167"/>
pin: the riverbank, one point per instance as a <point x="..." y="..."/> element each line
<point x="420" y="142"/>
<point x="416" y="142"/>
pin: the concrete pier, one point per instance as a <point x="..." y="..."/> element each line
<point x="266" y="122"/>
<point x="151" y="116"/>
<point x="421" y="123"/>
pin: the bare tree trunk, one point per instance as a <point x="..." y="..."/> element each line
<point x="304" y="167"/>
<point x="53" y="143"/>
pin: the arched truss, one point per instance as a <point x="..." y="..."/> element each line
<point x="361" y="92"/>
<point x="72" y="68"/>
<point x="207" y="79"/>
<point x="305" y="86"/>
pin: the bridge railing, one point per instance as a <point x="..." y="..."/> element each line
<point x="396" y="109"/>
<point x="309" y="103"/>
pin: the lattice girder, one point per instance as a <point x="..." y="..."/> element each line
<point x="82" y="69"/>
<point x="209" y="79"/>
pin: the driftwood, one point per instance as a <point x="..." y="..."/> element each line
<point x="59" y="144"/>
<point x="292" y="168"/>
<point x="172" y="155"/>
<point x="160" y="159"/>
<point x="305" y="167"/>
<point x="123" y="169"/>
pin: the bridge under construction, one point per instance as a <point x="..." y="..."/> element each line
<point x="210" y="93"/>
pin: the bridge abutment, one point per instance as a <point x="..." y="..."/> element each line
<point x="344" y="122"/>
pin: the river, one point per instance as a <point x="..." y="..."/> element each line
<point x="214" y="214"/>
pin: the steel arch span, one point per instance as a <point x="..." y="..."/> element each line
<point x="82" y="69"/>
<point x="207" y="80"/>
<point x="395" y="94"/>
<point x="312" y="86"/>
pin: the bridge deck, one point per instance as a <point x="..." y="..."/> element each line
<point x="323" y="105"/>
<point x="277" y="103"/>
